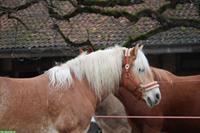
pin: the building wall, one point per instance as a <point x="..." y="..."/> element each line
<point x="180" y="64"/>
<point x="27" y="67"/>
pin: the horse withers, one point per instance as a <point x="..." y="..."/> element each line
<point x="63" y="99"/>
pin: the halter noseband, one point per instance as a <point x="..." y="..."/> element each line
<point x="143" y="87"/>
<point x="149" y="86"/>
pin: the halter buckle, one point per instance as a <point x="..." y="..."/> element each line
<point x="127" y="67"/>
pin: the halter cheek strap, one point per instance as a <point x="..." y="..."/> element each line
<point x="127" y="70"/>
<point x="126" y="64"/>
<point x="126" y="60"/>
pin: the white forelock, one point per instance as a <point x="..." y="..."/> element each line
<point x="102" y="69"/>
<point x="141" y="62"/>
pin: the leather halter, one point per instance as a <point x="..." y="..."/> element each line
<point x="142" y="87"/>
<point x="149" y="86"/>
<point x="126" y="62"/>
<point x="126" y="65"/>
<point x="126" y="59"/>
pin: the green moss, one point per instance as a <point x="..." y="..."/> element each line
<point x="135" y="29"/>
<point x="179" y="7"/>
<point x="183" y="28"/>
<point x="197" y="4"/>
<point x="111" y="12"/>
<point x="143" y="36"/>
<point x="103" y="36"/>
<point x="128" y="42"/>
<point x="109" y="2"/>
<point x="26" y="37"/>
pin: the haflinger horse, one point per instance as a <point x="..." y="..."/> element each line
<point x="180" y="97"/>
<point x="64" y="98"/>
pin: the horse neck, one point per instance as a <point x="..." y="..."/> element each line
<point x="195" y="78"/>
<point x="165" y="76"/>
<point x="162" y="75"/>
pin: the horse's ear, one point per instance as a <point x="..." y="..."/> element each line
<point x="90" y="50"/>
<point x="81" y="50"/>
<point x="133" y="52"/>
<point x="141" y="47"/>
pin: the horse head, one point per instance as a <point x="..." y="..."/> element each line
<point x="137" y="76"/>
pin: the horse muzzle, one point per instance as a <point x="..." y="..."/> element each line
<point x="151" y="93"/>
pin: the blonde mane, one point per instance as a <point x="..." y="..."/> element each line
<point x="102" y="69"/>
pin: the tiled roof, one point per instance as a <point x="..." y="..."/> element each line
<point x="63" y="7"/>
<point x="134" y="9"/>
<point x="12" y="3"/>
<point x="39" y="33"/>
<point x="101" y="30"/>
<point x="37" y="29"/>
<point x="144" y="25"/>
<point x="179" y="39"/>
<point x="183" y="11"/>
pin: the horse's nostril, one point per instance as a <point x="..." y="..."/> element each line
<point x="158" y="96"/>
<point x="149" y="100"/>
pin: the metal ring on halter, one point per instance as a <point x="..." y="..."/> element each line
<point x="127" y="66"/>
<point x="141" y="89"/>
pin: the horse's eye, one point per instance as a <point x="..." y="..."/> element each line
<point x="141" y="69"/>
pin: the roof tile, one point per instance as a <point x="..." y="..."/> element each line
<point x="35" y="17"/>
<point x="183" y="11"/>
<point x="176" y="36"/>
<point x="63" y="7"/>
<point x="13" y="3"/>
<point x="144" y="25"/>
<point x="133" y="9"/>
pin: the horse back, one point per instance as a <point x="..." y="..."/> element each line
<point x="180" y="97"/>
<point x="23" y="102"/>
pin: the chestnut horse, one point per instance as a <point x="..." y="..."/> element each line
<point x="63" y="99"/>
<point x="180" y="97"/>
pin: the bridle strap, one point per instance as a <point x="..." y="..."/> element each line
<point x="126" y="59"/>
<point x="127" y="72"/>
<point x="126" y="65"/>
<point x="134" y="89"/>
<point x="149" y="86"/>
<point x="143" y="88"/>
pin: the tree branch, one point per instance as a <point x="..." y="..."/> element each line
<point x="171" y="23"/>
<point x="108" y="3"/>
<point x="68" y="41"/>
<point x="19" y="20"/>
<point x="8" y="10"/>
